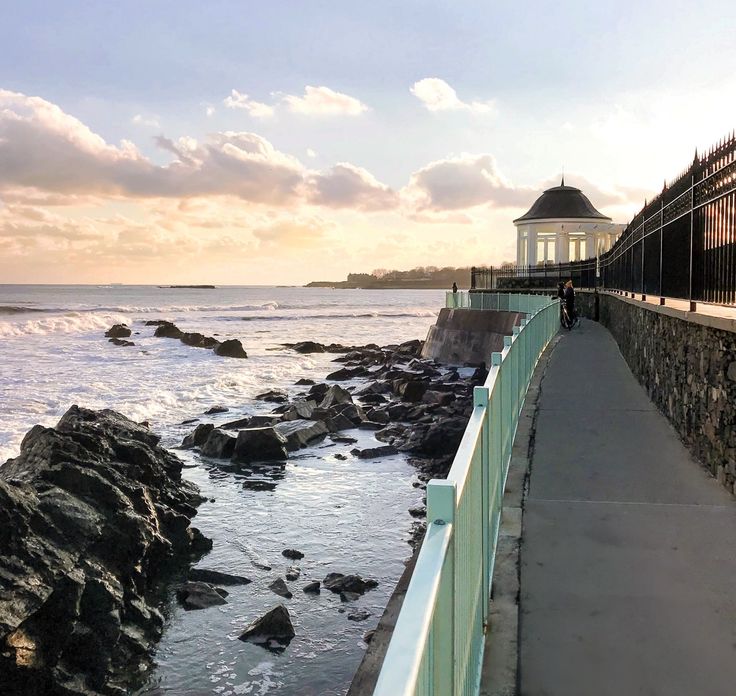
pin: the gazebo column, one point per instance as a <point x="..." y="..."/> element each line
<point x="590" y="245"/>
<point x="562" y="247"/>
<point x="531" y="257"/>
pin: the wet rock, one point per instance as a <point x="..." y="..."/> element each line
<point x="300" y="434"/>
<point x="273" y="396"/>
<point x="373" y="399"/>
<point x="339" y="583"/>
<point x="195" y="340"/>
<point x="279" y="587"/>
<point x="260" y="444"/>
<point x="371" y="425"/>
<point x="200" y="595"/>
<point x="374" y="452"/>
<point x="260" y="566"/>
<point x="167" y="329"/>
<point x="359" y="615"/>
<point x="341" y="457"/>
<point x="398" y="411"/>
<point x="346" y="373"/>
<point x="418" y="511"/>
<point x="293" y="573"/>
<point x="199" y="436"/>
<point x="198" y="542"/>
<point x="216" y="577"/>
<point x="438" y="397"/>
<point x="216" y="409"/>
<point x="121" y="342"/>
<point x="238" y="424"/>
<point x="376" y="415"/>
<point x="218" y="445"/>
<point x="157" y="322"/>
<point x="368" y="636"/>
<point x="299" y="409"/>
<point x="306" y="347"/>
<point x="292" y="554"/>
<point x="118" y="331"/>
<point x="274" y="630"/>
<point x="335" y="395"/>
<point x="94" y="520"/>
<point x="347" y="596"/>
<point x="410" y="347"/>
<point x="413" y="390"/>
<point x="304" y="381"/>
<point x="343" y="439"/>
<point x="231" y="348"/>
<point x="312" y="588"/>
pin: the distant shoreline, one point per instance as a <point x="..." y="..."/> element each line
<point x="379" y="285"/>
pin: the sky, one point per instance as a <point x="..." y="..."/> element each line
<point x="281" y="142"/>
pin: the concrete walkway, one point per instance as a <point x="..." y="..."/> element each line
<point x="628" y="562"/>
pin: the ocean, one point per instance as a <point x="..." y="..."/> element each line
<point x="347" y="516"/>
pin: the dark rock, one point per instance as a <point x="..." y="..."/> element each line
<point x="118" y="331"/>
<point x="438" y="397"/>
<point x="480" y="375"/>
<point x="292" y="554"/>
<point x="261" y="566"/>
<point x="216" y="409"/>
<point x="300" y="433"/>
<point x="196" y="340"/>
<point x="293" y="573"/>
<point x="346" y="373"/>
<point x="418" y="511"/>
<point x="94" y="520"/>
<point x="198" y="542"/>
<point x="121" y="342"/>
<point x="312" y="588"/>
<point x="200" y="595"/>
<point x="343" y="439"/>
<point x="373" y="399"/>
<point x="218" y="445"/>
<point x="359" y="615"/>
<point x="370" y="425"/>
<point x="260" y="444"/>
<point x="335" y="395"/>
<point x="238" y="424"/>
<point x="273" y="630"/>
<point x="299" y="409"/>
<point x="261" y="420"/>
<point x="216" y="577"/>
<point x="413" y="390"/>
<point x="231" y="348"/>
<point x="374" y="452"/>
<point x="157" y="322"/>
<point x="308" y="347"/>
<point x="167" y="329"/>
<point x="199" y="436"/>
<point x="354" y="584"/>
<point x="398" y="411"/>
<point x="279" y="587"/>
<point x="304" y="381"/>
<point x="368" y="636"/>
<point x="341" y="457"/>
<point x="272" y="396"/>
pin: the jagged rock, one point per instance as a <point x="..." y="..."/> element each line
<point x="167" y="329"/>
<point x="347" y="373"/>
<point x="293" y="573"/>
<point x="300" y="434"/>
<point x="273" y="630"/>
<point x="398" y="411"/>
<point x="304" y="381"/>
<point x="218" y="445"/>
<point x="196" y="340"/>
<point x="374" y="452"/>
<point x="370" y="425"/>
<point x="410" y="347"/>
<point x="413" y="390"/>
<point x="216" y="577"/>
<point x="317" y="392"/>
<point x="359" y="615"/>
<point x="373" y="399"/>
<point x="216" y="409"/>
<point x="292" y="554"/>
<point x="273" y="396"/>
<point x="118" y="331"/>
<point x="200" y="595"/>
<point x="299" y="409"/>
<point x="120" y="342"/>
<point x="312" y="588"/>
<point x="260" y="444"/>
<point x="354" y="584"/>
<point x="418" y="511"/>
<point x="440" y="398"/>
<point x="368" y="636"/>
<point x="238" y="424"/>
<point x="336" y="395"/>
<point x="279" y="587"/>
<point x="94" y="519"/>
<point x="199" y="436"/>
<point x="231" y="348"/>
<point x="157" y="322"/>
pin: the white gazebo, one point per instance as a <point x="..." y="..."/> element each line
<point x="562" y="226"/>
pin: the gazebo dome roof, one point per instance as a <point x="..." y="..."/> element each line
<point x="563" y="202"/>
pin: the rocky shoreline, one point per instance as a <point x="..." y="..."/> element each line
<point x="95" y="517"/>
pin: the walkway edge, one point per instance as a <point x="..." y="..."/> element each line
<point x="499" y="676"/>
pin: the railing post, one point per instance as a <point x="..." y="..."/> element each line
<point x="441" y="506"/>
<point x="480" y="399"/>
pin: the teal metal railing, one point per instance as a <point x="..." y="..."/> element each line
<point x="437" y="645"/>
<point x="499" y="301"/>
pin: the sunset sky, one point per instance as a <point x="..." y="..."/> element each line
<point x="281" y="142"/>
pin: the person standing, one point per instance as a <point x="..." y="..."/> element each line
<point x="570" y="301"/>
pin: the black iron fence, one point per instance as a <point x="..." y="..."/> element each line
<point x="682" y="244"/>
<point x="548" y="275"/>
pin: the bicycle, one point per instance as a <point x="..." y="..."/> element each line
<point x="567" y="321"/>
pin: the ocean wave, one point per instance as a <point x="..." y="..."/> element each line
<point x="15" y="309"/>
<point x="352" y="315"/>
<point x="72" y="322"/>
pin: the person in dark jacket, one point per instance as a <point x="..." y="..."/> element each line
<point x="560" y="290"/>
<point x="570" y="300"/>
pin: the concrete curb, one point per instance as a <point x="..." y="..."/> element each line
<point x="499" y="676"/>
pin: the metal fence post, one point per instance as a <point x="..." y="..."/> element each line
<point x="481" y="398"/>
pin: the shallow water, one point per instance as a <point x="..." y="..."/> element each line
<point x="346" y="516"/>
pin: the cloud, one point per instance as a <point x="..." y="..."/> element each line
<point x="236" y="100"/>
<point x="462" y="182"/>
<point x="306" y="233"/>
<point x="151" y="122"/>
<point x="311" y="153"/>
<point x="323" y="101"/>
<point x="348" y="186"/>
<point x="437" y="95"/>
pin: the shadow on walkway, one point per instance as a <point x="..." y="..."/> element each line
<point x="628" y="562"/>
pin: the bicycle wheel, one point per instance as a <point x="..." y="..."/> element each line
<point x="565" y="320"/>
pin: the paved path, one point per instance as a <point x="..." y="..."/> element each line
<point x="628" y="563"/>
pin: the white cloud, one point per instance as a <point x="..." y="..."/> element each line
<point x="323" y="101"/>
<point x="437" y="95"/>
<point x="348" y="186"/>
<point x="140" y="120"/>
<point x="209" y="110"/>
<point x="237" y="100"/>
<point x="311" y="153"/>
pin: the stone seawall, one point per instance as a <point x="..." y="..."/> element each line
<point x="687" y="364"/>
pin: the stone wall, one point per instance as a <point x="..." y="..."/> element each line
<point x="687" y="364"/>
